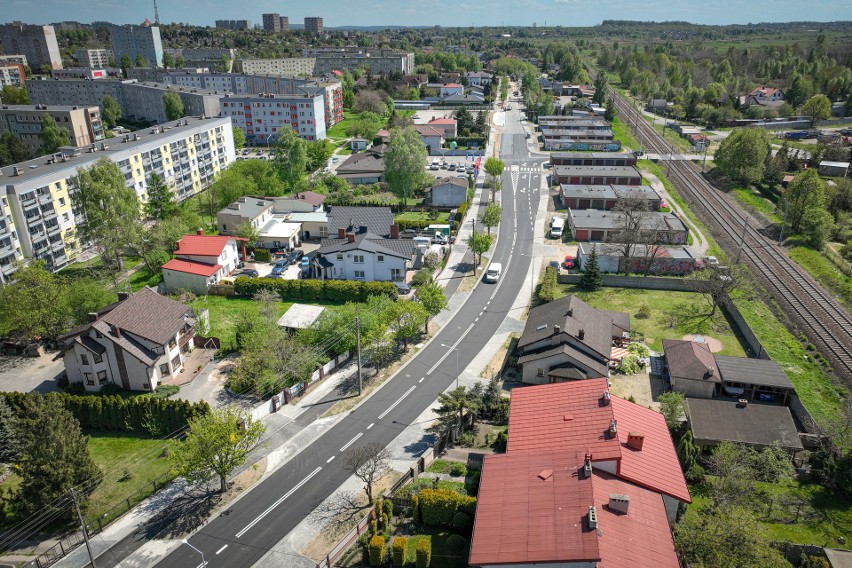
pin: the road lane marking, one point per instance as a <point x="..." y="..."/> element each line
<point x="394" y="405"/>
<point x="329" y="459"/>
<point x="373" y="423"/>
<point x="278" y="502"/>
<point x="421" y="379"/>
<point x="221" y="549"/>
<point x="352" y="441"/>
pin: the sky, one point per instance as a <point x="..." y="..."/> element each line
<point x="448" y="13"/>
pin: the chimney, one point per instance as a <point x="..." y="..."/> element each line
<point x="199" y="232"/>
<point x="619" y="503"/>
<point x="635" y="440"/>
<point x="742" y="403"/>
<point x="351" y="237"/>
<point x="570" y="312"/>
<point x="710" y="372"/>
<point x="581" y="334"/>
<point x="557" y="330"/>
<point x="394" y="231"/>
<point x="116" y="330"/>
<point x="123" y="296"/>
<point x="92" y="317"/>
<point x="587" y="466"/>
<point x="593" y="518"/>
<point x="341" y="233"/>
<point x="607" y="399"/>
<point x="613" y="427"/>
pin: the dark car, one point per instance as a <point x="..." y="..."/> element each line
<point x="247" y="273"/>
<point x="554" y="264"/>
<point x="295" y="256"/>
<point x="403" y="288"/>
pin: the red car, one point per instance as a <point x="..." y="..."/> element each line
<point x="569" y="262"/>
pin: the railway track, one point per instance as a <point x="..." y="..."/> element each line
<point x="824" y="321"/>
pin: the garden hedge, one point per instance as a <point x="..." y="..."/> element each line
<point x="416" y="224"/>
<point x="262" y="255"/>
<point x="400" y="544"/>
<point x="316" y="290"/>
<point x="116" y="413"/>
<point x="376" y="550"/>
<point x="424" y="553"/>
<point x="439" y="506"/>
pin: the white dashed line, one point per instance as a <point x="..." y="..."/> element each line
<point x="372" y="424"/>
<point x="329" y="459"/>
<point x="352" y="441"/>
<point x="221" y="549"/>
<point x="421" y="379"/>
<point x="394" y="405"/>
<point x="278" y="502"/>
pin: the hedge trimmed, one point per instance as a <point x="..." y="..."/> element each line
<point x="262" y="255"/>
<point x="439" y="506"/>
<point x="398" y="547"/>
<point x="424" y="553"/>
<point x="376" y="550"/>
<point x="462" y="522"/>
<point x="116" y="413"/>
<point x="315" y="290"/>
<point x="414" y="224"/>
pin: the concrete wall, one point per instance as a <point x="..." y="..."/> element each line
<point x="695" y="389"/>
<point x="175" y="280"/>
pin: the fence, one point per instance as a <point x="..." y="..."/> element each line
<point x="646" y="282"/>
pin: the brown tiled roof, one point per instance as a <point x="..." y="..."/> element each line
<point x="690" y="360"/>
<point x="149" y="315"/>
<point x="311" y="197"/>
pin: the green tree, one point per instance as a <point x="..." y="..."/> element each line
<point x="179" y="61"/>
<point x="687" y="451"/>
<point x="591" y="278"/>
<point x="494" y="168"/>
<point x="672" y="408"/>
<point x="126" y="63"/>
<point x="247" y="231"/>
<point x="140" y="61"/>
<point x="83" y="296"/>
<point x="817" y="108"/>
<point x="405" y="159"/>
<point x="217" y="443"/>
<point x="454" y="404"/>
<point x="741" y="156"/>
<point x="9" y="438"/>
<point x="601" y="87"/>
<point x="800" y="91"/>
<point x="52" y="135"/>
<point x="491" y="217"/>
<point x="317" y="154"/>
<point x="291" y="158"/>
<point x="11" y="95"/>
<point x="168" y="60"/>
<point x="610" y="112"/>
<point x="161" y="200"/>
<point x="39" y="310"/>
<point x="371" y="101"/>
<point x="806" y="191"/>
<point x="431" y="295"/>
<point x="464" y="122"/>
<point x="110" y="210"/>
<point x="54" y="455"/>
<point x="239" y="138"/>
<point x="112" y="111"/>
<point x="173" y="105"/>
<point x="12" y="150"/>
<point x="817" y="225"/>
<point x="479" y="243"/>
<point x="405" y="320"/>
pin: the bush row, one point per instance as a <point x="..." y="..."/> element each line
<point x="413" y="224"/>
<point x="262" y="255"/>
<point x="438" y="507"/>
<point x="314" y="290"/>
<point x="138" y="414"/>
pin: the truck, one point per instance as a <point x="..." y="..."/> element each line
<point x="796" y="135"/>
<point x="557" y="225"/>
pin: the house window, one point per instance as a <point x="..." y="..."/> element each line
<point x="539" y="372"/>
<point x="101" y="377"/>
<point x="172" y="343"/>
<point x="339" y="257"/>
<point x="89" y="380"/>
<point x="380" y="258"/>
<point x="176" y="362"/>
<point x="98" y="358"/>
<point x="84" y="359"/>
<point x="358" y="259"/>
<point x="359" y="274"/>
<point x="164" y="369"/>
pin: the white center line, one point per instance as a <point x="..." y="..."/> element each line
<point x="421" y="379"/>
<point x="352" y="441"/>
<point x="372" y="424"/>
<point x="278" y="502"/>
<point x="329" y="459"/>
<point x="394" y="405"/>
<point x="221" y="549"/>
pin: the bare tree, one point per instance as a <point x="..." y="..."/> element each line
<point x="631" y="228"/>
<point x="341" y="509"/>
<point x="369" y="463"/>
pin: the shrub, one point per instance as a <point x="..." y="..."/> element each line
<point x="376" y="551"/>
<point x="438" y="506"/>
<point x="110" y="389"/>
<point x="471" y="484"/>
<point x="262" y="255"/>
<point x="644" y="312"/>
<point x="639" y="349"/>
<point x="502" y="441"/>
<point x="629" y="365"/>
<point x="458" y="469"/>
<point x="314" y="290"/>
<point x="415" y="508"/>
<point x="398" y="548"/>
<point x="75" y="388"/>
<point x="385" y="522"/>
<point x="695" y="474"/>
<point x="374" y="527"/>
<point x="462" y="522"/>
<point x="456" y="544"/>
<point x="413" y="224"/>
<point x="421" y="277"/>
<point x="431" y="260"/>
<point x="466" y="440"/>
<point x="423" y="553"/>
<point x="387" y="507"/>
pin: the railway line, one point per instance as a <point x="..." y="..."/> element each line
<point x="824" y="321"/>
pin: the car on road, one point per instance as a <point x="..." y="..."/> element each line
<point x="247" y="273"/>
<point x="295" y="256"/>
<point x="568" y="262"/>
<point x="305" y="263"/>
<point x="492" y="274"/>
<point x="334" y="159"/>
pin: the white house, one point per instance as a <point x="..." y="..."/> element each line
<point x="254" y="210"/>
<point x="362" y="255"/>
<point x="136" y="343"/>
<point x="201" y="261"/>
<point x="477" y="78"/>
<point x="450" y="89"/>
<point x="433" y="137"/>
<point x="447" y="192"/>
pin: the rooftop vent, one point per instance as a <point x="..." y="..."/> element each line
<point x="542" y="327"/>
<point x="711" y="371"/>
<point x="613" y="427"/>
<point x="593" y="517"/>
<point x="581" y="334"/>
<point x="742" y="403"/>
<point x="587" y="466"/>
<point x="607" y="398"/>
<point x="556" y="330"/>
<point x="619" y="503"/>
<point x="570" y="312"/>
<point x="545" y="474"/>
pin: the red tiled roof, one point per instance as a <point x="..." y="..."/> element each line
<point x="533" y="508"/>
<point x="382" y="133"/>
<point x="452" y="85"/>
<point x="426" y="130"/>
<point x="190" y="267"/>
<point x="201" y="245"/>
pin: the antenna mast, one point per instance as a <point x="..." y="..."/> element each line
<point x="156" y="14"/>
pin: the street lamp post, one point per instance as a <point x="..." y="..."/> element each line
<point x="456" y="349"/>
<point x="203" y="562"/>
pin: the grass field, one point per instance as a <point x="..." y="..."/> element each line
<point x="750" y="197"/>
<point x="667" y="320"/>
<point x="442" y="218"/>
<point x="224" y="311"/>
<point x="823" y="270"/>
<point x="622" y="133"/>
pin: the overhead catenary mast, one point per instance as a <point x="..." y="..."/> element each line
<point x="156" y="14"/>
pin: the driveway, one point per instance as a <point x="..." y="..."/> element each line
<point x="30" y="374"/>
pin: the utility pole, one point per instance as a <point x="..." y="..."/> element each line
<point x="83" y="526"/>
<point x="358" y="339"/>
<point x="784" y="222"/>
<point x="742" y="236"/>
<point x="156" y="14"/>
<point x="704" y="161"/>
<point x="473" y="240"/>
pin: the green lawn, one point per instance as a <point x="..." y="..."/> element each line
<point x="824" y="271"/>
<point x="751" y="197"/>
<point x="441" y="556"/>
<point x="442" y="218"/>
<point x="667" y="319"/>
<point x="144" y="277"/>
<point x="224" y="311"/>
<point x="622" y="133"/>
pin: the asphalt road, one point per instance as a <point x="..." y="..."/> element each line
<point x="241" y="535"/>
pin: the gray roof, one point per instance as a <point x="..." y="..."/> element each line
<point x="591" y="155"/>
<point x="362" y="163"/>
<point x="594" y="219"/>
<point x="759" y="372"/>
<point x="596" y="324"/>
<point x="91" y="344"/>
<point x="599" y="368"/>
<point x="638" y="191"/>
<point x="755" y="424"/>
<point x="455" y="180"/>
<point x="598" y="171"/>
<point x="377" y="219"/>
<point x="149" y="315"/>
<point x="690" y="360"/>
<point x="588" y="191"/>
<point x="838" y="557"/>
<point x="638" y="251"/>
<point x="300" y="316"/>
<point x="248" y="207"/>
<point x="369" y="242"/>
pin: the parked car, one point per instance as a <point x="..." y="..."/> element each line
<point x="295" y="256"/>
<point x="439" y="239"/>
<point x="452" y="167"/>
<point x="554" y="264"/>
<point x="569" y="262"/>
<point x="403" y="288"/>
<point x="305" y="263"/>
<point x="711" y="261"/>
<point x="247" y="273"/>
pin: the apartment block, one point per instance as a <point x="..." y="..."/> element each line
<point x="134" y="41"/>
<point x="138" y="101"/>
<point x="83" y="124"/>
<point x="37" y="43"/>
<point x="38" y="218"/>
<point x="18" y="59"/>
<point x="314" y="26"/>
<point x="286" y="67"/>
<point x="94" y="58"/>
<point x="379" y="61"/>
<point x="233" y="24"/>
<point x="275" y="22"/>
<point x="261" y="117"/>
<point x="86" y="73"/>
<point x="12" y="75"/>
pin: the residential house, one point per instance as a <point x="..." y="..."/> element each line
<point x="597" y="175"/>
<point x="607" y="197"/>
<point x="200" y="261"/>
<point x="663" y="260"/>
<point x="450" y="78"/>
<point x="447" y="192"/>
<point x="606" y="226"/>
<point x="450" y="89"/>
<point x="135" y="343"/>
<point x="765" y="96"/>
<point x="713" y="421"/>
<point x="365" y="167"/>
<point x="478" y="78"/>
<point x="691" y="368"/>
<point x="359" y="254"/>
<point x="433" y="137"/>
<point x="449" y="126"/>
<point x="302" y="202"/>
<point x="377" y="219"/>
<point x="358" y="144"/>
<point x="658" y="105"/>
<point x="255" y="211"/>
<point x="603" y="476"/>
<point x="568" y="340"/>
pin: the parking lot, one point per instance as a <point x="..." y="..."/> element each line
<point x="454" y="162"/>
<point x="255" y="154"/>
<point x="264" y="269"/>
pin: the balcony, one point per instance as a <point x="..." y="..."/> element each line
<point x="45" y="198"/>
<point x="29" y="203"/>
<point x="49" y="215"/>
<point x="53" y="230"/>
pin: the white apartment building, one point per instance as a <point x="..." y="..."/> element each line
<point x="94" y="58"/>
<point x="134" y="41"/>
<point x="380" y="61"/>
<point x="262" y="116"/>
<point x="83" y="124"/>
<point x="11" y="76"/>
<point x="286" y="67"/>
<point x="38" y="217"/>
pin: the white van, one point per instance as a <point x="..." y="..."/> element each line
<point x="557" y="225"/>
<point x="436" y="164"/>
<point x="492" y="274"/>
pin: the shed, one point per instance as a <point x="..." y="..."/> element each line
<point x="754" y="378"/>
<point x="300" y="316"/>
<point x="713" y="421"/>
<point x="833" y="169"/>
<point x="358" y="144"/>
